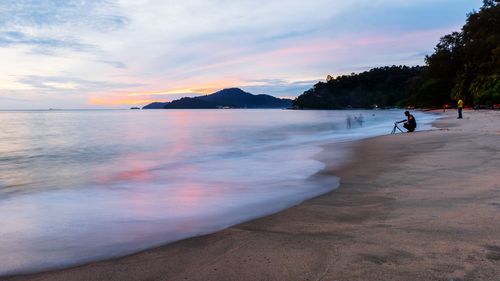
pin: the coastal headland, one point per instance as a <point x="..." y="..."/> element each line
<point x="419" y="206"/>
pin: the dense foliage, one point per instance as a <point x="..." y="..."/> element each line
<point x="465" y="65"/>
<point x="383" y="87"/>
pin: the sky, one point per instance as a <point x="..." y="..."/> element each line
<point x="120" y="53"/>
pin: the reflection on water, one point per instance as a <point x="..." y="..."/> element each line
<point x="82" y="185"/>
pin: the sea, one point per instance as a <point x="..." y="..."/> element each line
<point x="84" y="185"/>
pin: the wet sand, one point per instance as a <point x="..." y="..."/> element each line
<point x="420" y="206"/>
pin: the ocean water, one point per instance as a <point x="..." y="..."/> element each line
<point x="78" y="186"/>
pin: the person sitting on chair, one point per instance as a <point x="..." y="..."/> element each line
<point x="410" y="123"/>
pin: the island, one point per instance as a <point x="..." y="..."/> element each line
<point x="226" y="98"/>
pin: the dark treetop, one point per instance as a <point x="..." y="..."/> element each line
<point x="382" y="87"/>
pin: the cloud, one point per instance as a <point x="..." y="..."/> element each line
<point x="51" y="25"/>
<point x="139" y="50"/>
<point x="102" y="15"/>
<point x="8" y="38"/>
<point x="12" y="99"/>
<point x="54" y="84"/>
<point x="280" y="87"/>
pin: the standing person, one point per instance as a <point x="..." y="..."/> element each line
<point x="348" y="121"/>
<point x="410" y="122"/>
<point x="460" y="106"/>
<point x="360" y="120"/>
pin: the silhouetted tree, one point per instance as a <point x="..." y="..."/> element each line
<point x="383" y="87"/>
<point x="464" y="64"/>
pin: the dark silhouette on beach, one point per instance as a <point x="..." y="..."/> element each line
<point x="410" y="123"/>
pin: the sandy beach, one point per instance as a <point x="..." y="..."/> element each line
<point x="419" y="206"/>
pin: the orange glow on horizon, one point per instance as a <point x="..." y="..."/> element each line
<point x="200" y="89"/>
<point x="193" y="90"/>
<point x="146" y="97"/>
<point x="149" y="96"/>
<point x="116" y="102"/>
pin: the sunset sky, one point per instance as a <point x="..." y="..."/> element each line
<point x="116" y="54"/>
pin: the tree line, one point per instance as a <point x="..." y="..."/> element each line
<point x="464" y="65"/>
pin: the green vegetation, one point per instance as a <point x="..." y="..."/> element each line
<point x="465" y="65"/>
<point x="385" y="86"/>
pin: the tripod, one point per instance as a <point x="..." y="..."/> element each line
<point x="396" y="128"/>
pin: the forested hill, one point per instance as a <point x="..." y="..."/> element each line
<point x="381" y="87"/>
<point x="464" y="65"/>
<point x="232" y="98"/>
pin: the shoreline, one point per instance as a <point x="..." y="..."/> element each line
<point x="369" y="227"/>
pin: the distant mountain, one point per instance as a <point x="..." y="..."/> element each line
<point x="232" y="97"/>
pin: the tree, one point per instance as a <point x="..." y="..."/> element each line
<point x="465" y="63"/>
<point x="384" y="86"/>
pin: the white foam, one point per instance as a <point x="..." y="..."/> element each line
<point x="158" y="182"/>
